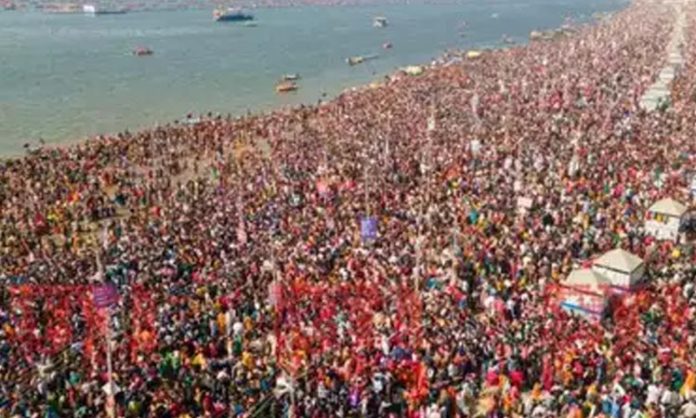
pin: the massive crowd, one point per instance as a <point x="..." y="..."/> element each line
<point x="246" y="289"/>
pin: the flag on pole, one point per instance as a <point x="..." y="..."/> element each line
<point x="275" y="294"/>
<point x="241" y="233"/>
<point x="105" y="238"/>
<point x="241" y="227"/>
<point x="431" y="123"/>
<point x="368" y="228"/>
<point x="105" y="295"/>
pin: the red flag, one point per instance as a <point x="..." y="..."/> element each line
<point x="241" y="233"/>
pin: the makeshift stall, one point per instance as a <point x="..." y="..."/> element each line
<point x="664" y="219"/>
<point x="414" y="70"/>
<point x="584" y="292"/>
<point x="655" y="97"/>
<point x="623" y="269"/>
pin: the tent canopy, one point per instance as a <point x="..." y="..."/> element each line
<point x="473" y="54"/>
<point x="413" y="70"/>
<point x="618" y="259"/>
<point x="668" y="207"/>
<point x="585" y="277"/>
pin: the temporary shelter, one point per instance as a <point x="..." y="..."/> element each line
<point x="667" y="74"/>
<point x="664" y="219"/>
<point x="623" y="269"/>
<point x="657" y="94"/>
<point x="584" y="292"/>
<point x="473" y="54"/>
<point x="413" y="70"/>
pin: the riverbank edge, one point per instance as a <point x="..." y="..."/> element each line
<point x="262" y="112"/>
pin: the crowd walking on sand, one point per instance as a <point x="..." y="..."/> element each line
<point x="245" y="288"/>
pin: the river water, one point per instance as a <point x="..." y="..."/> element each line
<point x="66" y="77"/>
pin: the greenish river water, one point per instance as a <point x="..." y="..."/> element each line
<point x="65" y="77"/>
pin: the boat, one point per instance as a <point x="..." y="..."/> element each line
<point x="60" y="8"/>
<point x="291" y="77"/>
<point x="231" y="15"/>
<point x="355" y="60"/>
<point x="380" y="22"/>
<point x="92" y="10"/>
<point x="286" y="86"/>
<point x="507" y="39"/>
<point x="387" y="45"/>
<point x="494" y="15"/>
<point x="142" y="51"/>
<point x="250" y="24"/>
<point x="359" y="59"/>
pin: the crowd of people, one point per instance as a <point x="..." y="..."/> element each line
<point x="247" y="289"/>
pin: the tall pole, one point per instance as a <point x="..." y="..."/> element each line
<point x="111" y="399"/>
<point x="384" y="178"/>
<point x="423" y="219"/>
<point x="292" y="396"/>
<point x="366" y="188"/>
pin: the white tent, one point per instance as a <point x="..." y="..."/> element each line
<point x="667" y="74"/>
<point x="665" y="217"/>
<point x="675" y="58"/>
<point x="584" y="292"/>
<point x="623" y="269"/>
<point x="586" y="279"/>
<point x="669" y="207"/>
<point x="659" y="92"/>
<point x="413" y="70"/>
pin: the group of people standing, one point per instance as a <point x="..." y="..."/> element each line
<point x="248" y="289"/>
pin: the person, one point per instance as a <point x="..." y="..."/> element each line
<point x="450" y="310"/>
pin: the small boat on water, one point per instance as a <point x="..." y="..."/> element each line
<point x="291" y="77"/>
<point x="355" y="60"/>
<point x="359" y="59"/>
<point x="380" y="22"/>
<point x="231" y="15"/>
<point x="494" y="15"/>
<point x="62" y="8"/>
<point x="250" y="24"/>
<point x="92" y="10"/>
<point x="286" y="87"/>
<point x="141" y="51"/>
<point x="387" y="45"/>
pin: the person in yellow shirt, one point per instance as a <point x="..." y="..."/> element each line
<point x="222" y="323"/>
<point x="199" y="360"/>
<point x="689" y="384"/>
<point x="248" y="324"/>
<point x="247" y="360"/>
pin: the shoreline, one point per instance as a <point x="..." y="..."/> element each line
<point x="424" y="246"/>
<point x="268" y="109"/>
